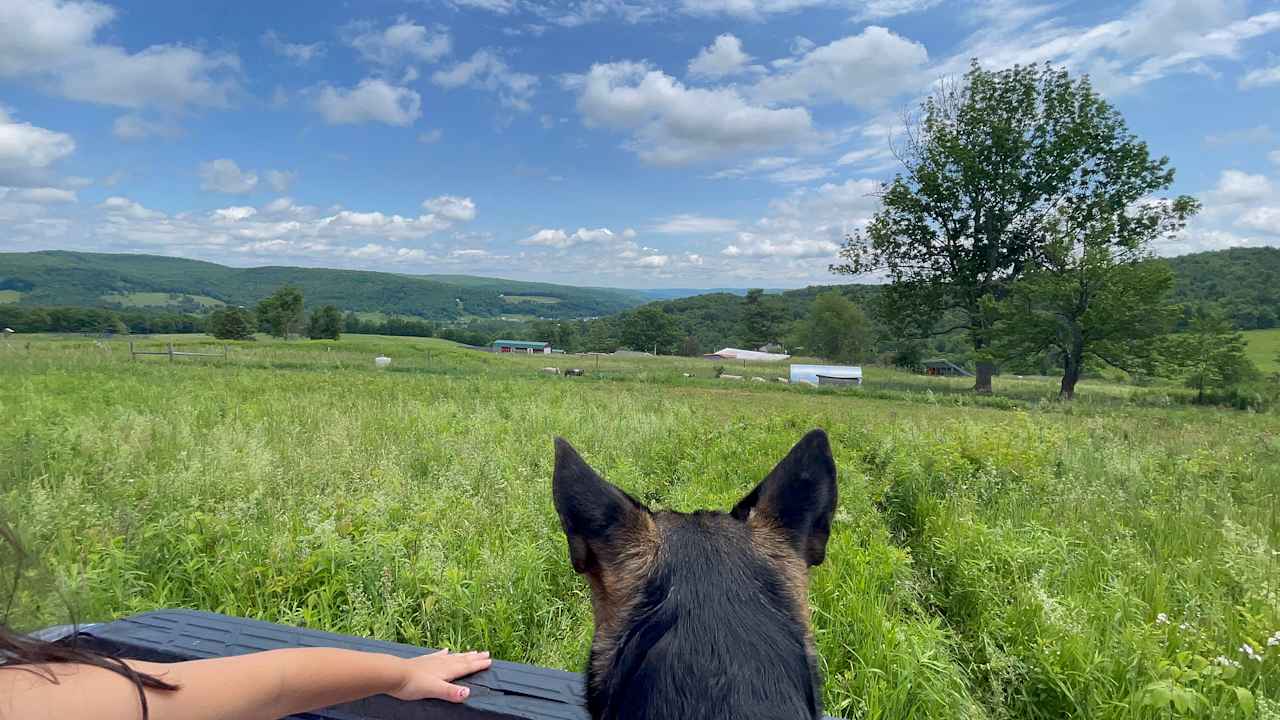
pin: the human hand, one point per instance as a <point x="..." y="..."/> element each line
<point x="428" y="676"/>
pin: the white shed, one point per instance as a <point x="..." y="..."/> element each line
<point x="826" y="374"/>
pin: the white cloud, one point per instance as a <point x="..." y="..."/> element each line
<point x="1263" y="219"/>
<point x="1236" y="187"/>
<point x="28" y="151"/>
<point x="486" y="70"/>
<point x="722" y="58"/>
<point x="882" y="9"/>
<point x="124" y="208"/>
<point x="296" y="52"/>
<point x="132" y="127"/>
<point x="782" y="245"/>
<point x="1275" y="156"/>
<point x="225" y="176"/>
<point x="1261" y="77"/>
<point x="689" y="224"/>
<point x="1257" y="135"/>
<point x="281" y="180"/>
<point x="430" y="136"/>
<point x="452" y="207"/>
<point x="864" y="70"/>
<point x="41" y="195"/>
<point x="559" y="239"/>
<point x="500" y="7"/>
<point x="235" y="213"/>
<point x="52" y="44"/>
<point x="799" y="174"/>
<point x="372" y="100"/>
<point x="1154" y="39"/>
<point x="674" y="124"/>
<point x="400" y="43"/>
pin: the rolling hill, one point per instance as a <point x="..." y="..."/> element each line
<point x="151" y="281"/>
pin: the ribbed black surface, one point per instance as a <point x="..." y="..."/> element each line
<point x="506" y="690"/>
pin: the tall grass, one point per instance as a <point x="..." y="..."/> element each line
<point x="1024" y="561"/>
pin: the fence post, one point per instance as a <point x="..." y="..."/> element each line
<point x="224" y="352"/>
<point x="170" y="352"/>
<point x="131" y="355"/>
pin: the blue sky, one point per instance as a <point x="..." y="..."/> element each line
<point x="635" y="143"/>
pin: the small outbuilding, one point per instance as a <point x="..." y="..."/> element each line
<point x="532" y="347"/>
<point x="941" y="367"/>
<point x="826" y="374"/>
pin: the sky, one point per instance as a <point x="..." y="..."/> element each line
<point x="623" y="143"/>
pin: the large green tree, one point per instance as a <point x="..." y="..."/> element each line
<point x="282" y="311"/>
<point x="835" y="329"/>
<point x="1096" y="293"/>
<point x="991" y="164"/>
<point x="1210" y="355"/>
<point x="762" y="319"/>
<point x="232" y="323"/>
<point x="325" y="324"/>
<point x="648" y="328"/>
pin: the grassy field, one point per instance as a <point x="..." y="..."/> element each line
<point x="1006" y="557"/>
<point x="10" y="296"/>
<point x="160" y="299"/>
<point x="534" y="299"/>
<point x="1264" y="348"/>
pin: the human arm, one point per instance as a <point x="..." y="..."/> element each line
<point x="257" y="686"/>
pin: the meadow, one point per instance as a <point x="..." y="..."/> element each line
<point x="1264" y="349"/>
<point x="1003" y="557"/>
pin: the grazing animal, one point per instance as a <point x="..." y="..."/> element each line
<point x="705" y="615"/>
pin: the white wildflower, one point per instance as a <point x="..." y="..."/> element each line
<point x="1225" y="661"/>
<point x="1274" y="640"/>
<point x="1250" y="653"/>
<point x="1184" y="627"/>
<point x="1162" y="619"/>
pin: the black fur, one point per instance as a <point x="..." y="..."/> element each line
<point x="715" y="632"/>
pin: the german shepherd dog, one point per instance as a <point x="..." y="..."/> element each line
<point x="701" y="616"/>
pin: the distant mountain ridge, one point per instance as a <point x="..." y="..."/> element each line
<point x="1244" y="282"/>
<point x="57" y="277"/>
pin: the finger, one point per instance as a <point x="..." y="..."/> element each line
<point x="448" y="691"/>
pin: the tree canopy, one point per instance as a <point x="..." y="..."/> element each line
<point x="995" y="168"/>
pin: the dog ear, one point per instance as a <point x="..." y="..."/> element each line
<point x="596" y="516"/>
<point x="799" y="496"/>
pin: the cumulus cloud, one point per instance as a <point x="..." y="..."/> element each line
<point x="864" y="70"/>
<point x="722" y="58"/>
<point x="234" y="214"/>
<point x="27" y="152"/>
<point x="298" y="53"/>
<point x="788" y="245"/>
<point x="39" y="195"/>
<point x="675" y="125"/>
<point x="372" y="100"/>
<point x="486" y="70"/>
<point x="225" y="176"/>
<point x="690" y="224"/>
<point x="807" y="224"/>
<point x="402" y="42"/>
<point x="559" y="239"/>
<point x="119" y="207"/>
<point x="452" y="207"/>
<point x="53" y="44"/>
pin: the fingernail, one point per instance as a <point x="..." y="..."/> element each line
<point x="463" y="693"/>
<point x="485" y="653"/>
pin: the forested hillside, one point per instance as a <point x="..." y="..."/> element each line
<point x="134" y="281"/>
<point x="1243" y="282"/>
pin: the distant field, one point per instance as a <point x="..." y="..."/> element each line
<point x="10" y="296"/>
<point x="537" y="299"/>
<point x="1000" y="558"/>
<point x="1264" y="348"/>
<point x="159" y="299"/>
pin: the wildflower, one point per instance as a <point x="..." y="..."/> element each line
<point x="1184" y="627"/>
<point x="1250" y="653"/>
<point x="1226" y="661"/>
<point x="1162" y="619"/>
<point x="1274" y="640"/>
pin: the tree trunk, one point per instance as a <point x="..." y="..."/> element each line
<point x="1072" y="366"/>
<point x="982" y="384"/>
<point x="1070" y="376"/>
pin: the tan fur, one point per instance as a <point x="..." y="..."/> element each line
<point x="771" y="542"/>
<point x="615" y="588"/>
